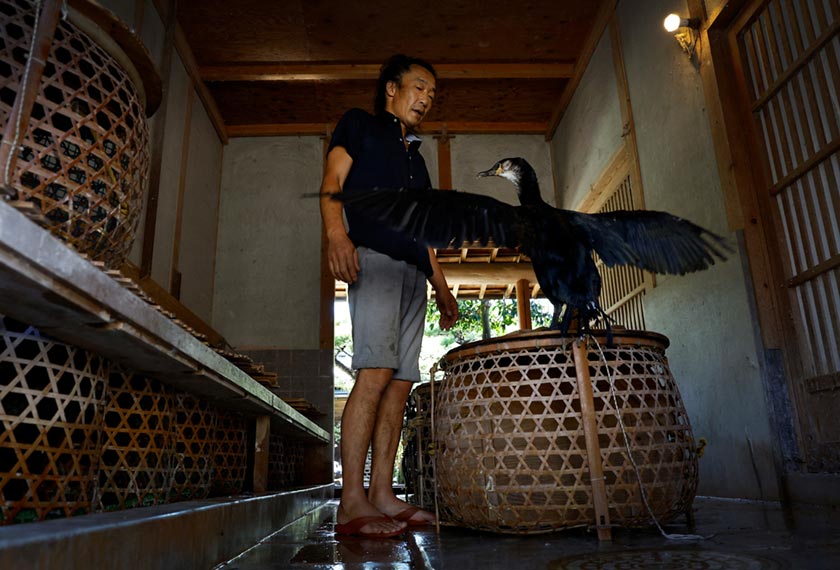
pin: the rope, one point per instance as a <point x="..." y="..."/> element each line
<point x="630" y="455"/>
<point x="432" y="374"/>
<point x="16" y="139"/>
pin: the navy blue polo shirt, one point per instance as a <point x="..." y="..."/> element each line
<point x="381" y="161"/>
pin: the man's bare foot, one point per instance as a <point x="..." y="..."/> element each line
<point x="350" y="510"/>
<point x="392" y="507"/>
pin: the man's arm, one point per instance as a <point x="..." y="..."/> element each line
<point x="447" y="305"/>
<point x="341" y="253"/>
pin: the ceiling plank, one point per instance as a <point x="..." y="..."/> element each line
<point x="331" y="72"/>
<point x="301" y="129"/>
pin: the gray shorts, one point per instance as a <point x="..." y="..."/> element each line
<point x="388" y="313"/>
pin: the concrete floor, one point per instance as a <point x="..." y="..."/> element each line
<point x="739" y="535"/>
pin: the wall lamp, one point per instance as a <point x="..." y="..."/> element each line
<point x="685" y="32"/>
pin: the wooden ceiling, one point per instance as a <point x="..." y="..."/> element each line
<point x="283" y="67"/>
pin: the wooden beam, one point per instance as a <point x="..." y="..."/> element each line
<point x="326" y="335"/>
<point x="523" y="304"/>
<point x="487" y="273"/>
<point x="167" y="14"/>
<point x="590" y="434"/>
<point x="163" y="298"/>
<point x="605" y="14"/>
<point x="295" y="71"/>
<point x="262" y="441"/>
<point x="444" y="156"/>
<point x="429" y="128"/>
<point x="191" y="66"/>
<point x="174" y="273"/>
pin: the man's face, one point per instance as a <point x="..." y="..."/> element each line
<point x="412" y="99"/>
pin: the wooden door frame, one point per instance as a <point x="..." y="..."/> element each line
<point x="750" y="212"/>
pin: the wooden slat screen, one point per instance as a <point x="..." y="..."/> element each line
<point x="622" y="286"/>
<point x="790" y="52"/>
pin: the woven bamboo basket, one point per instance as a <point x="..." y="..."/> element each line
<point x="136" y="465"/>
<point x="84" y="158"/>
<point x="512" y="444"/>
<point x="50" y="395"/>
<point x="285" y="462"/>
<point x="195" y="441"/>
<point x="417" y="442"/>
<point x="230" y="454"/>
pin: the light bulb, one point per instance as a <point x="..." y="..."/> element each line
<point x="672" y="23"/>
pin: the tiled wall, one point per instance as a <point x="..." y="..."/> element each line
<point x="301" y="374"/>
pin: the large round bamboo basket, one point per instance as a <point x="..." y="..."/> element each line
<point x="511" y="434"/>
<point x="417" y="441"/>
<point x="50" y="425"/>
<point x="84" y="156"/>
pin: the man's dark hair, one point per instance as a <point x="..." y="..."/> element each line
<point x="393" y="70"/>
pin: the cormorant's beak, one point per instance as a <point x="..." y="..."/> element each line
<point x="495" y="171"/>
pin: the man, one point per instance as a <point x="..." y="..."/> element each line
<point x="386" y="273"/>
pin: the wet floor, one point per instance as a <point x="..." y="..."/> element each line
<point x="738" y="535"/>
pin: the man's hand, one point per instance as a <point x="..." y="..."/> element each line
<point x="343" y="258"/>
<point x="448" y="307"/>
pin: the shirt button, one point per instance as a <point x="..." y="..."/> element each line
<point x="411" y="177"/>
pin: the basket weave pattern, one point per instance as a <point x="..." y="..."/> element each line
<point x="285" y="462"/>
<point x="49" y="442"/>
<point x="417" y="437"/>
<point x="195" y="432"/>
<point x="84" y="159"/>
<point x="136" y="467"/>
<point x="230" y="454"/>
<point x="511" y="445"/>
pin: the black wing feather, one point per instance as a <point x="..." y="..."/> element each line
<point x="656" y="241"/>
<point x="440" y="218"/>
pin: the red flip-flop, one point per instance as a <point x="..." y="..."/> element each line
<point x="354" y="528"/>
<point x="406" y="514"/>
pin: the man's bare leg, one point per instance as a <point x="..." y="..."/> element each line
<point x="357" y="425"/>
<point x="386" y="437"/>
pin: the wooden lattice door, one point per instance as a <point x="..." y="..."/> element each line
<point x="786" y="54"/>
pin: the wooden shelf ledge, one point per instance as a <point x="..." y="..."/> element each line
<point x="48" y="285"/>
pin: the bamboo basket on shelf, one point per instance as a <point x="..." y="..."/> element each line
<point x="511" y="449"/>
<point x="136" y="465"/>
<point x="83" y="159"/>
<point x="195" y="441"/>
<point x="285" y="462"/>
<point x="230" y="454"/>
<point x="51" y="419"/>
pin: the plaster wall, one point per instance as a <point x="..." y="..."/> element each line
<point x="152" y="33"/>
<point x="197" y="255"/>
<point x="471" y="154"/>
<point x="170" y="173"/>
<point x="706" y="315"/>
<point x="268" y="253"/>
<point x="196" y="241"/>
<point x="590" y="132"/>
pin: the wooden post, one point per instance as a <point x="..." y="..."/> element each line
<point x="590" y="432"/>
<point x="261" y="444"/>
<point x="444" y="160"/>
<point x="523" y="304"/>
<point x="27" y="92"/>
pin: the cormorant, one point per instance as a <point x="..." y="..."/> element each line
<point x="559" y="242"/>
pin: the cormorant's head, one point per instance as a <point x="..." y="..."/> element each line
<point x="510" y="168"/>
<point x="518" y="171"/>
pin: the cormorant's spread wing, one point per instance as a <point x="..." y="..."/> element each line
<point x="656" y="241"/>
<point x="439" y="218"/>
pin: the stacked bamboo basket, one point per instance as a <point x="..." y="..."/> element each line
<point x="532" y="433"/>
<point x="80" y="434"/>
<point x="77" y="117"/>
